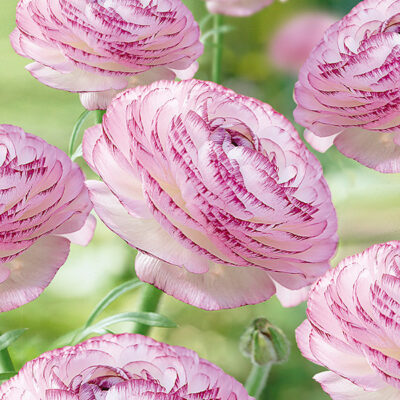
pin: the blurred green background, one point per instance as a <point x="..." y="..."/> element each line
<point x="367" y="204"/>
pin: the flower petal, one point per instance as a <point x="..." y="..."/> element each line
<point x="291" y="298"/>
<point x="85" y="234"/>
<point x="342" y="389"/>
<point x="221" y="287"/>
<point x="145" y="234"/>
<point x="377" y="150"/>
<point x="320" y="143"/>
<point x="76" y="80"/>
<point x="32" y="271"/>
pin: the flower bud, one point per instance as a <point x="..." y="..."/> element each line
<point x="264" y="343"/>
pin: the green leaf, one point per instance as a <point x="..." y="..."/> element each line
<point x="205" y="21"/>
<point x="75" y="131"/>
<point x="4" y="376"/>
<point x="78" y="153"/>
<point x="69" y="338"/>
<point x="146" y="318"/>
<point x="212" y="32"/>
<point x="8" y="338"/>
<point x="65" y="340"/>
<point x="111" y="296"/>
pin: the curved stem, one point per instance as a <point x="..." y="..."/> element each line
<point x="99" y="116"/>
<point x="149" y="300"/>
<point x="217" y="49"/>
<point x="6" y="364"/>
<point x="257" y="380"/>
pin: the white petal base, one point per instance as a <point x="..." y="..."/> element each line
<point x="100" y="100"/>
<point x="220" y="288"/>
<point x="32" y="271"/>
<point x="319" y="143"/>
<point x="289" y="297"/>
<point x="342" y="389"/>
<point x="377" y="150"/>
<point x="85" y="234"/>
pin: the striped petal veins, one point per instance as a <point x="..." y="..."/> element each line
<point x="348" y="90"/>
<point x="353" y="326"/>
<point x="120" y="367"/>
<point x="44" y="205"/>
<point x="100" y="47"/>
<point x="215" y="189"/>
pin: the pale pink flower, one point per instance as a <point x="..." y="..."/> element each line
<point x="44" y="205"/>
<point x="353" y="326"/>
<point x="237" y="8"/>
<point x="348" y="91"/>
<point x="122" y="367"/>
<point x="215" y="189"/>
<point x="293" y="42"/>
<point x="100" y="47"/>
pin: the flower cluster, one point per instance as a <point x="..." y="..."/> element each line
<point x="215" y="189"/>
<point x="98" y="48"/>
<point x="348" y="90"/>
<point x="353" y="326"/>
<point x="44" y="205"/>
<point x="120" y="367"/>
<point x="222" y="199"/>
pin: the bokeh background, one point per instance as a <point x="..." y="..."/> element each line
<point x="367" y="205"/>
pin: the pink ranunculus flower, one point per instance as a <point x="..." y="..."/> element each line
<point x="100" y="47"/>
<point x="216" y="190"/>
<point x="122" y="367"/>
<point x="44" y="205"/>
<point x="348" y="90"/>
<point x="353" y="326"/>
<point x="296" y="38"/>
<point x="236" y="8"/>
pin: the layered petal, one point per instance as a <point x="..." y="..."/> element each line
<point x="216" y="188"/>
<point x="118" y="367"/>
<point x="353" y="326"/>
<point x="348" y="89"/>
<point x="99" y="48"/>
<point x="44" y="205"/>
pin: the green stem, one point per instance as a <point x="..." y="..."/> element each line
<point x="257" y="380"/>
<point x="99" y="116"/>
<point x="217" y="49"/>
<point x="149" y="301"/>
<point x="6" y="364"/>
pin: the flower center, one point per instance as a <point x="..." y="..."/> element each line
<point x="392" y="24"/>
<point x="393" y="28"/>
<point x="97" y="388"/>
<point x="229" y="139"/>
<point x="94" y="383"/>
